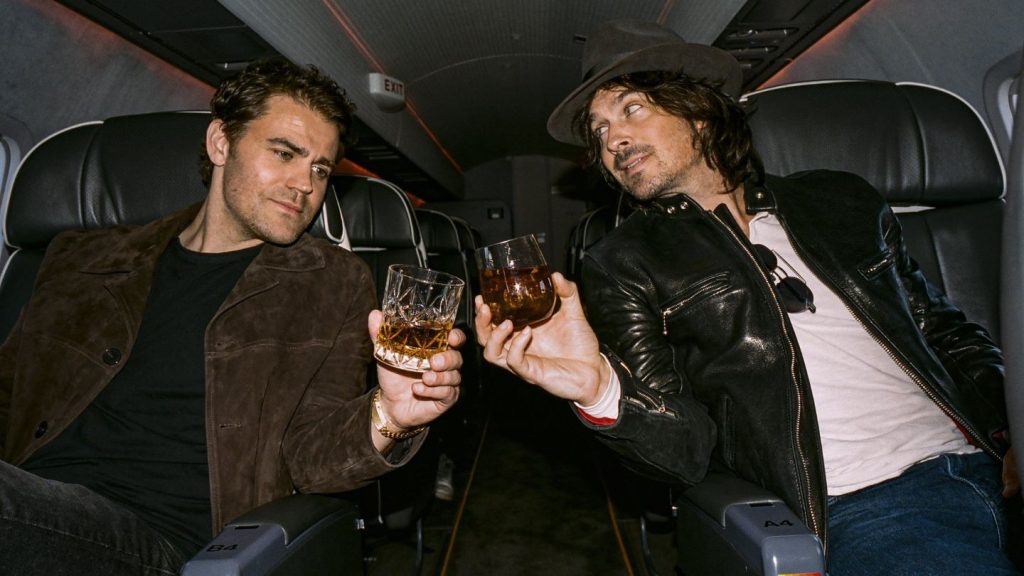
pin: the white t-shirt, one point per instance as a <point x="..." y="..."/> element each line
<point x="874" y="420"/>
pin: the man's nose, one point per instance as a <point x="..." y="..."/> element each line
<point x="302" y="180"/>
<point x="618" y="138"/>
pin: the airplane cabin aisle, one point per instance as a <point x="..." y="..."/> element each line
<point x="536" y="502"/>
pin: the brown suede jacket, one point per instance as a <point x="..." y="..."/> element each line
<point x="286" y="359"/>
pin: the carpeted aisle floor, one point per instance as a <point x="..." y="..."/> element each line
<point x="536" y="505"/>
<point x="536" y="502"/>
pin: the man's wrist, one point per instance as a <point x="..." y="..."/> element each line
<point x="383" y="424"/>
<point x="606" y="406"/>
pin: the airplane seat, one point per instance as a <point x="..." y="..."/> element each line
<point x="929" y="154"/>
<point x="383" y="229"/>
<point x="469" y="243"/>
<point x="131" y="170"/>
<point x="590" y="228"/>
<point x="381" y="224"/>
<point x="443" y="243"/>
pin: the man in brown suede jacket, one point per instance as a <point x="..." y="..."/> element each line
<point x="165" y="379"/>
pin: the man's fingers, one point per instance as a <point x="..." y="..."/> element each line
<point x="456" y="338"/>
<point x="446" y="395"/>
<point x="449" y="360"/>
<point x="373" y="323"/>
<point x="517" y="346"/>
<point x="563" y="287"/>
<point x="482" y="321"/>
<point x="494" y="348"/>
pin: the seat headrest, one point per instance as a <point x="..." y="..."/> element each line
<point x="440" y="234"/>
<point x="330" y="224"/>
<point x="377" y="213"/>
<point x="125" y="170"/>
<point x="466" y="238"/>
<point x="916" y="144"/>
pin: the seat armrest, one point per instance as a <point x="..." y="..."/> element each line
<point x="298" y="535"/>
<point x="729" y="526"/>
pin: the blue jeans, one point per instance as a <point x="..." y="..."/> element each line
<point x="942" y="516"/>
<point x="58" y="529"/>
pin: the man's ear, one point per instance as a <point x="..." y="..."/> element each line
<point x="217" y="144"/>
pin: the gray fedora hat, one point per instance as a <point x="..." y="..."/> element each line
<point x="624" y="46"/>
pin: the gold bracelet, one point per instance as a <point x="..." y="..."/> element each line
<point x="383" y="425"/>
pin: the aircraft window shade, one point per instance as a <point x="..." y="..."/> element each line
<point x="1000" y="89"/>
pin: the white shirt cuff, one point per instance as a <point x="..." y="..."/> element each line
<point x="607" y="406"/>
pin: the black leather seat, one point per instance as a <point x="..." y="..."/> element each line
<point x="592" y="227"/>
<point x="443" y="243"/>
<point x="381" y="224"/>
<point x="131" y="170"/>
<point x="929" y="154"/>
<point x="468" y="239"/>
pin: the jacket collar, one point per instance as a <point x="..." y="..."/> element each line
<point x="141" y="247"/>
<point x="677" y="204"/>
<point x="757" y="197"/>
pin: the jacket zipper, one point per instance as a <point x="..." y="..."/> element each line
<point x="708" y="284"/>
<point x="657" y="404"/>
<point x="817" y="526"/>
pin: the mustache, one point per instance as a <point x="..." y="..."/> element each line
<point x="625" y="156"/>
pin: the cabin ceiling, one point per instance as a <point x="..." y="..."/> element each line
<point x="480" y="77"/>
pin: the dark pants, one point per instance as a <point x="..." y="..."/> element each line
<point x="56" y="529"/>
<point x="943" y="516"/>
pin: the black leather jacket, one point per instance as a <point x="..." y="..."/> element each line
<point x="710" y="367"/>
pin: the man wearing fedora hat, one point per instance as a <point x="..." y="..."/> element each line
<point x="727" y="334"/>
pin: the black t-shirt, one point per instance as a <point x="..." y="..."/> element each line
<point x="142" y="441"/>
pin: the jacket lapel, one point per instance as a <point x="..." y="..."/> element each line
<point x="267" y="268"/>
<point x="129" y="264"/>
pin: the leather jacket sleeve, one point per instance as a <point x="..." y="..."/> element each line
<point x="327" y="446"/>
<point x="663" y="431"/>
<point x="965" y="349"/>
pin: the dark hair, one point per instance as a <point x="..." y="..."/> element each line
<point x="724" y="142"/>
<point x="243" y="98"/>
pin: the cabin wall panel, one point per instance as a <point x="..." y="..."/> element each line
<point x="61" y="69"/>
<point x="952" y="46"/>
<point x="525" y="184"/>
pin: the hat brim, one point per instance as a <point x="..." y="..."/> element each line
<point x="696" y="61"/>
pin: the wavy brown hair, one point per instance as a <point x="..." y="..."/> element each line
<point x="243" y="98"/>
<point x="725" y="140"/>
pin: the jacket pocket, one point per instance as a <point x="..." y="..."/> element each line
<point x="704" y="288"/>
<point x="726" y="436"/>
<point x="875" y="266"/>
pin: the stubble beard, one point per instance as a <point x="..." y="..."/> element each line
<point x="250" y="219"/>
<point x="645" y="187"/>
<point x="659" y="180"/>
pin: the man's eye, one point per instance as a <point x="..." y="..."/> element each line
<point x="632" y="108"/>
<point x="321" y="172"/>
<point x="283" y="154"/>
<point x="600" y="131"/>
